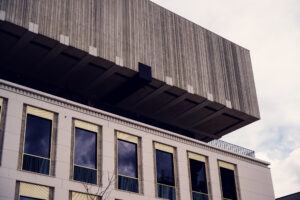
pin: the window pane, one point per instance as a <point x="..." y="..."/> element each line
<point x="38" y="136"/>
<point x="85" y="175"/>
<point x="36" y="164"/>
<point x="164" y="168"/>
<point x="127" y="159"/>
<point x="198" y="196"/>
<point x="198" y="176"/>
<point x="85" y="153"/>
<point x="28" y="198"/>
<point x="166" y="192"/>
<point x="228" y="183"/>
<point x="128" y="184"/>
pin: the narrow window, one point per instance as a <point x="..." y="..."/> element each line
<point x="128" y="173"/>
<point x="29" y="191"/>
<point x="83" y="196"/>
<point x="37" y="140"/>
<point x="198" y="178"/>
<point x="165" y="178"/>
<point x="1" y="108"/>
<point x="85" y="167"/>
<point x="2" y="125"/>
<point x="228" y="183"/>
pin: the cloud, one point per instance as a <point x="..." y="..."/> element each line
<point x="270" y="29"/>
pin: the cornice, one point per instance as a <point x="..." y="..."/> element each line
<point x="31" y="93"/>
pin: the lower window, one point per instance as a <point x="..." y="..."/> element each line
<point x="38" y="137"/>
<point x="165" y="173"/>
<point x="128" y="173"/>
<point x="85" y="152"/>
<point x="28" y="198"/>
<point x="3" y="105"/>
<point x="228" y="182"/>
<point x="84" y="196"/>
<point x="198" y="178"/>
<point x="28" y="191"/>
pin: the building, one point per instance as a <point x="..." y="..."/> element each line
<point x="294" y="196"/>
<point x="123" y="95"/>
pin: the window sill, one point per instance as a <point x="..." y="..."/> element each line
<point x="128" y="192"/>
<point x="36" y="173"/>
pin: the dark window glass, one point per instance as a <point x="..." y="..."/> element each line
<point x="127" y="166"/>
<point x="228" y="183"/>
<point x="128" y="184"/>
<point x="127" y="159"/>
<point x="166" y="192"/>
<point x="85" y="153"/>
<point x="36" y="164"/>
<point x="199" y="196"/>
<point x="38" y="136"/>
<point x="198" y="176"/>
<point x="164" y="168"/>
<point x="85" y="175"/>
<point x="28" y="198"/>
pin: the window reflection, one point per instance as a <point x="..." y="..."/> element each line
<point x="164" y="167"/>
<point x="198" y="180"/>
<point x="28" y="198"/>
<point x="198" y="176"/>
<point x="36" y="157"/>
<point x="228" y="184"/>
<point x="85" y="156"/>
<point x="127" y="159"/>
<point x="85" y="148"/>
<point x="38" y="136"/>
<point x="127" y="166"/>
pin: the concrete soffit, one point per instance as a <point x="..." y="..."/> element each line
<point x="28" y="92"/>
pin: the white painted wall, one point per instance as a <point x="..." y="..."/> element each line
<point x="254" y="179"/>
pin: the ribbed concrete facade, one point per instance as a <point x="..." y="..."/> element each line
<point x="141" y="31"/>
<point x="109" y="39"/>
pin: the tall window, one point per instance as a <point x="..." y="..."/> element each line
<point x="228" y="182"/>
<point x="198" y="178"/>
<point x="85" y="153"/>
<point x="128" y="158"/>
<point x="2" y="125"/>
<point x="1" y="108"/>
<point x="165" y="172"/>
<point x="29" y="191"/>
<point x="37" y="140"/>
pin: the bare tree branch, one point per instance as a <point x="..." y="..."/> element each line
<point x="102" y="192"/>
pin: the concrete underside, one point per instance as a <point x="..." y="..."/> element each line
<point x="47" y="65"/>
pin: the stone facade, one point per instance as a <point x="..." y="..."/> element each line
<point x="253" y="175"/>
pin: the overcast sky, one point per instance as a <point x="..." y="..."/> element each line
<point x="270" y="29"/>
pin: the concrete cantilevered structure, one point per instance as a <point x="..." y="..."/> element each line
<point x="128" y="62"/>
<point x="192" y="80"/>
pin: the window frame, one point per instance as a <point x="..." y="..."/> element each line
<point x="1" y="106"/>
<point x="35" y="191"/>
<point x="77" y="123"/>
<point x="120" y="135"/>
<point x="232" y="167"/>
<point x="3" y="110"/>
<point x="168" y="149"/>
<point x="44" y="114"/>
<point x="200" y="158"/>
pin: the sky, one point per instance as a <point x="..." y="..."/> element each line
<point x="270" y="29"/>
